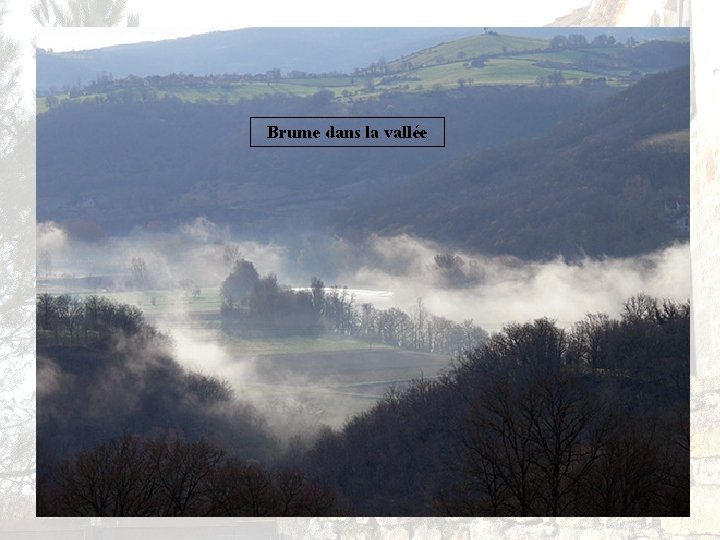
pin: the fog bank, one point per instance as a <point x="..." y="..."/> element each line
<point x="395" y="270"/>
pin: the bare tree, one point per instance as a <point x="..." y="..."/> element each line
<point x="182" y="470"/>
<point x="317" y="290"/>
<point x="589" y="341"/>
<point x="534" y="435"/>
<point x="113" y="479"/>
<point x="139" y="272"/>
<point x="231" y="255"/>
<point x="242" y="489"/>
<point x="625" y="483"/>
<point x="45" y="262"/>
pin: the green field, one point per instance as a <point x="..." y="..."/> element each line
<point x="334" y="386"/>
<point x="330" y="378"/>
<point x="504" y="71"/>
<point x="508" y="60"/>
<point x="470" y="47"/>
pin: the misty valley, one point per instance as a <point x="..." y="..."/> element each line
<point x="499" y="327"/>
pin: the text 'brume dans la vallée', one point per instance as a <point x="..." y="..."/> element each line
<point x="403" y="132"/>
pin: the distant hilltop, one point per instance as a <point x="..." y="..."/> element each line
<point x="301" y="50"/>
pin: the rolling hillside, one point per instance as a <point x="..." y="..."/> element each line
<point x="479" y="60"/>
<point x="520" y="174"/>
<point x="612" y="181"/>
<point x="117" y="166"/>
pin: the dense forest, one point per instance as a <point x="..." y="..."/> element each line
<point x="539" y="420"/>
<point x="614" y="180"/>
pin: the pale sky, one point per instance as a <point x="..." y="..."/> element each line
<point x="78" y="39"/>
<point x="165" y="19"/>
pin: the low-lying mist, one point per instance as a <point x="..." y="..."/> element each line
<point x="495" y="290"/>
<point x="278" y="399"/>
<point x="201" y="251"/>
<point x="491" y="290"/>
<point x="296" y="395"/>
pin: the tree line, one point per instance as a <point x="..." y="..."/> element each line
<point x="254" y="305"/>
<point x="172" y="476"/>
<point x="64" y="319"/>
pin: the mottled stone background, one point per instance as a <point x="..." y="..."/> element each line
<point x="17" y="288"/>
